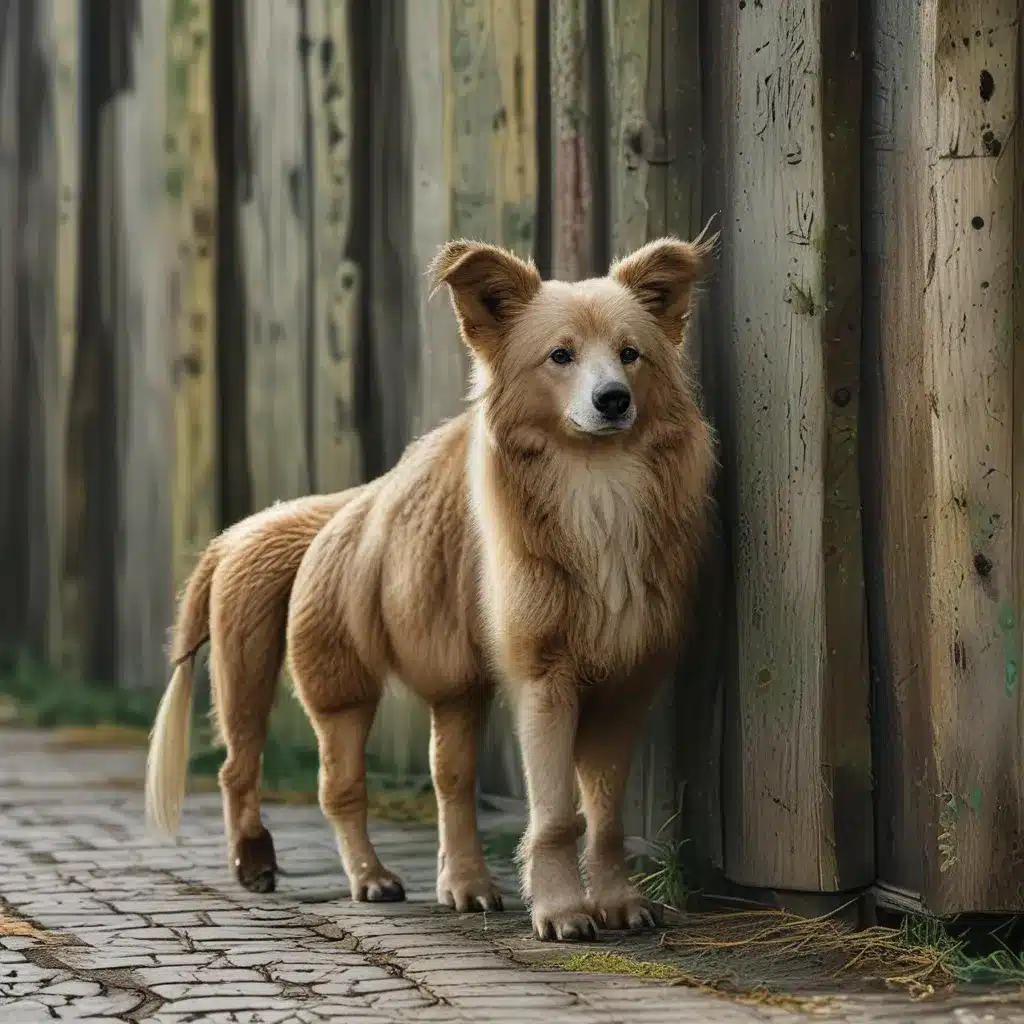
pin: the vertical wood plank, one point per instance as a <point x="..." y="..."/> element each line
<point x="31" y="452"/>
<point x="65" y="647"/>
<point x="577" y="139"/>
<point x="192" y="197"/>
<point x="337" y="277"/>
<point x="275" y="252"/>
<point x="797" y="744"/>
<point x="42" y="430"/>
<point x="126" y="336"/>
<point x="945" y="178"/>
<point x="11" y="623"/>
<point x="395" y="178"/>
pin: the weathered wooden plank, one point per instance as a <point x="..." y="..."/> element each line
<point x="941" y="303"/>
<point x="392" y="355"/>
<point x="577" y="140"/>
<point x="65" y="639"/>
<point x="191" y="207"/>
<point x="42" y="436"/>
<point x="31" y="463"/>
<point x="337" y="276"/>
<point x="11" y="467"/>
<point x="275" y="252"/>
<point x="127" y="344"/>
<point x="797" y="745"/>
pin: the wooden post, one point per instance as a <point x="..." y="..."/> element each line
<point x="337" y="276"/>
<point x="192" y="198"/>
<point x="275" y="251"/>
<point x="945" y="531"/>
<point x="783" y="134"/>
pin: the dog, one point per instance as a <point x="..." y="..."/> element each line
<point x="546" y="541"/>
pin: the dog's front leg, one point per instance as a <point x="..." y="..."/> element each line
<point x="609" y="729"/>
<point x="548" y="714"/>
<point x="463" y="881"/>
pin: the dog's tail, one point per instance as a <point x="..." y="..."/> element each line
<point x="167" y="763"/>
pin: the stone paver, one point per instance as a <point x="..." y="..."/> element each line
<point x="100" y="922"/>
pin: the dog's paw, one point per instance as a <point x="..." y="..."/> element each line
<point x="628" y="913"/>
<point x="380" y="887"/>
<point x="570" y="924"/>
<point x="466" y="893"/>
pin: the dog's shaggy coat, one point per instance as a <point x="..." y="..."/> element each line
<point x="546" y="539"/>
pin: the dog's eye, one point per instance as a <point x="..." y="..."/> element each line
<point x="629" y="355"/>
<point x="561" y="356"/>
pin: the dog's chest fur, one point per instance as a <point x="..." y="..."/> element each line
<point x="592" y="519"/>
<point x="602" y="518"/>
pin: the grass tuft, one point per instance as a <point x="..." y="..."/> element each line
<point x="663" y="876"/>
<point x="616" y="963"/>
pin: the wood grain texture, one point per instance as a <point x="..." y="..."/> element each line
<point x="11" y="467"/>
<point x="192" y="197"/>
<point x="941" y="297"/>
<point x="797" y="743"/>
<point x="31" y="463"/>
<point x="337" y="277"/>
<point x="131" y="281"/>
<point x="275" y="252"/>
<point x="64" y="638"/>
<point x="577" y="138"/>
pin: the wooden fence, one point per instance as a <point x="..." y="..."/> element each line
<point x="214" y="221"/>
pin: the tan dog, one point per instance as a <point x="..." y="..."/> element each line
<point x="548" y="537"/>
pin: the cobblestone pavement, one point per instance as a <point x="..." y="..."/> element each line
<point x="100" y="922"/>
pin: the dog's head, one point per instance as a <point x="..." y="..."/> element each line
<point x="585" y="363"/>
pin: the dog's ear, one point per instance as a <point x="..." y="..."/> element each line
<point x="489" y="287"/>
<point x="663" y="274"/>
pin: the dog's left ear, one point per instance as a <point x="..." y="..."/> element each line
<point x="663" y="274"/>
<point x="489" y="288"/>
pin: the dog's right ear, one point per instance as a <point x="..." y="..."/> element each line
<point x="489" y="287"/>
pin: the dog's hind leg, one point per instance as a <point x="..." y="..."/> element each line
<point x="246" y="652"/>
<point x="340" y="696"/>
<point x="342" y="733"/>
<point x="463" y="881"/>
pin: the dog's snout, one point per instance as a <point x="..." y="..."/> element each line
<point x="612" y="401"/>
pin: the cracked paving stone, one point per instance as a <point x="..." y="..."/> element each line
<point x="175" y="992"/>
<point x="186" y="975"/>
<point x="226" y="1004"/>
<point x="74" y="988"/>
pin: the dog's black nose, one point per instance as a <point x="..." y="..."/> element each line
<point x="612" y="401"/>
